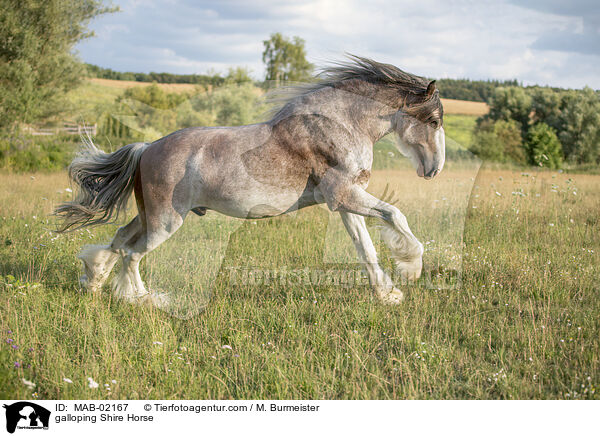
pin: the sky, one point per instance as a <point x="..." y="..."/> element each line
<point x="544" y="42"/>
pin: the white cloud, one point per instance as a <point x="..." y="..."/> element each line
<point x="462" y="38"/>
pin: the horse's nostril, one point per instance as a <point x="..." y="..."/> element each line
<point x="432" y="173"/>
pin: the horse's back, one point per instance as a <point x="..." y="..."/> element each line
<point x="236" y="170"/>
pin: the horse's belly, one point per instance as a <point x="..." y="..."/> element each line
<point x="264" y="205"/>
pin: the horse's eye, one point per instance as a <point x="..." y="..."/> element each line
<point x="435" y="124"/>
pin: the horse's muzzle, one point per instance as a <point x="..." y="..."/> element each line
<point x="431" y="174"/>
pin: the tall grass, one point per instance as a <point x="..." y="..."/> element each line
<point x="522" y="324"/>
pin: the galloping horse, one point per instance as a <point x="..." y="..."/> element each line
<point x="317" y="148"/>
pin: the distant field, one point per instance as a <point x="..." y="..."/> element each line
<point x="124" y="84"/>
<point x="459" y="107"/>
<point x="459" y="129"/>
<point x="462" y="107"/>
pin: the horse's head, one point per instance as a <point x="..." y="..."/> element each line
<point x="421" y="134"/>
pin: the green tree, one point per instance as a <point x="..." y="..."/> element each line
<point x="580" y="133"/>
<point x="188" y="117"/>
<point x="149" y="112"/>
<point x="486" y="143"/>
<point x="237" y="105"/>
<point x="150" y="109"/>
<point x="154" y="96"/>
<point x="509" y="135"/>
<point x="499" y="141"/>
<point x="285" y="59"/>
<point x="546" y="106"/>
<point x="238" y="75"/>
<point x="37" y="65"/>
<point x="543" y="146"/>
<point x="510" y="103"/>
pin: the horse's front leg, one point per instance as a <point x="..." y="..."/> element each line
<point x="380" y="281"/>
<point x="406" y="249"/>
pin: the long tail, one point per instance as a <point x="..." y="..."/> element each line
<point x="105" y="183"/>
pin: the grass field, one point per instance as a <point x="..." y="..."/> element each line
<point x="459" y="130"/>
<point x="523" y="323"/>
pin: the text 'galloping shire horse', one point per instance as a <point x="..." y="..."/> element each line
<point x="318" y="148"/>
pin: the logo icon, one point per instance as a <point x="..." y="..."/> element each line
<point x="26" y="415"/>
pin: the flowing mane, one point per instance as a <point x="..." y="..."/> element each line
<point x="409" y="91"/>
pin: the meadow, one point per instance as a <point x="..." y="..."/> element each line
<point x="516" y="319"/>
<point x="507" y="307"/>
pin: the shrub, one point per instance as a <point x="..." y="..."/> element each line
<point x="499" y="141"/>
<point x="543" y="146"/>
<point x="509" y="135"/>
<point x="146" y="114"/>
<point x="580" y="134"/>
<point x="510" y="103"/>
<point x="487" y="146"/>
<point x="33" y="153"/>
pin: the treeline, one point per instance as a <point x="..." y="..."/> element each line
<point x="540" y="126"/>
<point x="471" y="90"/>
<point x="458" y="89"/>
<point x="239" y="74"/>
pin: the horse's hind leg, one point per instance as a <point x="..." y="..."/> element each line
<point x="129" y="285"/>
<point x="99" y="260"/>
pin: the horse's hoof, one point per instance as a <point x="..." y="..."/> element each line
<point x="160" y="300"/>
<point x="395" y="296"/>
<point x="410" y="271"/>
<point x="85" y="285"/>
<point x="83" y="282"/>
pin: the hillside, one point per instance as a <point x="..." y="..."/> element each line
<point x="451" y="107"/>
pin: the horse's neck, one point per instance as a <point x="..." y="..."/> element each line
<point x="357" y="112"/>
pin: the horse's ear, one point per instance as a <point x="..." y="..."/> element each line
<point x="431" y="88"/>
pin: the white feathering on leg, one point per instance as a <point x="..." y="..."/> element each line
<point x="406" y="252"/>
<point x="128" y="285"/>
<point x="98" y="261"/>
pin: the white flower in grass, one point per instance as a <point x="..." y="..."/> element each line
<point x="157" y="343"/>
<point x="28" y="383"/>
<point x="226" y="347"/>
<point x="68" y="380"/>
<point x="92" y="384"/>
<point x="114" y="382"/>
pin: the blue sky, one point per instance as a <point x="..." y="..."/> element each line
<point x="547" y="42"/>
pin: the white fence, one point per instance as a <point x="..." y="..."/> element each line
<point x="68" y="128"/>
